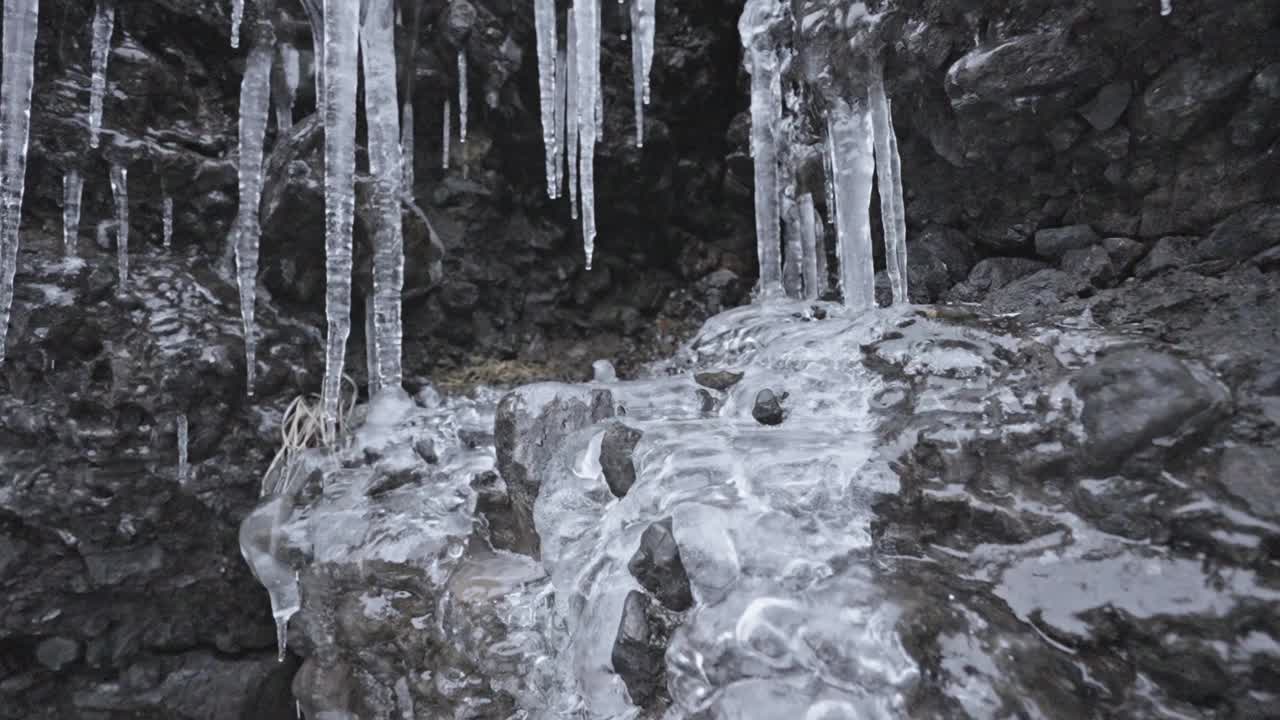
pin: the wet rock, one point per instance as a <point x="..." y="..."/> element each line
<point x="1241" y="236"/>
<point x="937" y="258"/>
<point x="1254" y="124"/>
<point x="638" y="662"/>
<point x="56" y="653"/>
<point x="1020" y="74"/>
<point x="1169" y="253"/>
<point x="530" y="421"/>
<point x="1092" y="264"/>
<point x="992" y="274"/>
<point x="1252" y="474"/>
<point x="1134" y="398"/>
<point x="1107" y="106"/>
<point x="1124" y="253"/>
<point x="718" y="379"/>
<point x="1186" y="96"/>
<point x="1053" y="243"/>
<point x="767" y="408"/>
<point x="615" y="457"/>
<point x="657" y="567"/>
<point x="426" y="449"/>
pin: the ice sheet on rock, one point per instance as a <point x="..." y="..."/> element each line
<point x="255" y="103"/>
<point x="20" y="26"/>
<point x="72" y="191"/>
<point x="586" y="21"/>
<point x="853" y="166"/>
<point x="544" y="20"/>
<point x="120" y="193"/>
<point x="104" y="17"/>
<point x="341" y="49"/>
<point x="387" y="168"/>
<point x="763" y="60"/>
<point x="889" y="182"/>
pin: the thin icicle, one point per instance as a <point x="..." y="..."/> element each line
<point x="341" y="49"/>
<point x="377" y="38"/>
<point x="853" y="163"/>
<point x="599" y="91"/>
<point x="1166" y="7"/>
<point x="72" y="191"/>
<point x="571" y="111"/>
<point x="544" y="20"/>
<point x="255" y="98"/>
<point x="315" y="16"/>
<point x="889" y="182"/>
<point x="562" y="82"/>
<point x="406" y="146"/>
<point x="184" y="471"/>
<point x="820" y="254"/>
<point x="20" y="26"/>
<point x="104" y="18"/>
<point x="586" y="17"/>
<point x="764" y="64"/>
<point x="642" y="31"/>
<point x="462" y="96"/>
<point x="793" y="245"/>
<point x="810" y="247"/>
<point x="237" y="15"/>
<point x="648" y="12"/>
<point x="828" y="180"/>
<point x="284" y="86"/>
<point x="446" y="134"/>
<point x="120" y="191"/>
<point x="370" y="349"/>
<point x="168" y="220"/>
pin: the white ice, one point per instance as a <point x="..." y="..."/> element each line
<point x="853" y="166"/>
<point x="20" y="26"/>
<point x="764" y="62"/>
<point x="544" y="20"/>
<point x="889" y="182"/>
<point x="120" y="192"/>
<point x="586" y="17"/>
<point x="104" y="17"/>
<point x="255" y="99"/>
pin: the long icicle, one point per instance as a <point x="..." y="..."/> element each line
<point x="341" y="45"/>
<point x="811" y="248"/>
<point x="890" y="187"/>
<point x="544" y="20"/>
<point x="446" y="134"/>
<point x="562" y="83"/>
<point x="587" y="19"/>
<point x="315" y="17"/>
<point x="237" y="15"/>
<point x="167" y="219"/>
<point x="406" y="147"/>
<point x="104" y="18"/>
<point x="853" y="165"/>
<point x="72" y="192"/>
<point x="642" y="31"/>
<point x="462" y="96"/>
<point x="21" y="22"/>
<point x="287" y="76"/>
<point x="761" y="58"/>
<point x="120" y="191"/>
<point x="571" y="110"/>
<point x="255" y="99"/>
<point x="387" y="167"/>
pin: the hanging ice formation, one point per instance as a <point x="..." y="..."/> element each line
<point x="183" y="470"/>
<point x="562" y="82"/>
<point x="571" y="111"/>
<point x="1166" y="7"/>
<point x="259" y="539"/>
<point x="104" y="17"/>
<point x="764" y="62"/>
<point x="853" y="166"/>
<point x="315" y="17"/>
<point x="167" y="219"/>
<point x="120" y="191"/>
<point x="20" y="25"/>
<point x="237" y="14"/>
<point x="284" y="87"/>
<point x="462" y="96"/>
<point x="387" y="167"/>
<point x="72" y="191"/>
<point x="889" y="178"/>
<point x="544" y="18"/>
<point x="813" y="254"/>
<point x="340" y="48"/>
<point x="586" y="18"/>
<point x="446" y="133"/>
<point x="255" y="99"/>
<point x="642" y="31"/>
<point x="406" y="146"/>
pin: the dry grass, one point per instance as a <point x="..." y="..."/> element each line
<point x="303" y="428"/>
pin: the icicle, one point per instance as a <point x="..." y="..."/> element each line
<point x="260" y="536"/>
<point x="544" y="17"/>
<point x="237" y="14"/>
<point x="184" y="472"/>
<point x="341" y="46"/>
<point x="571" y="111"/>
<point x="586" y="16"/>
<point x="20" y="26"/>
<point x="853" y="162"/>
<point x="642" y="30"/>
<point x="462" y="96"/>
<point x="168" y="220"/>
<point x="446" y="134"/>
<point x="562" y="82"/>
<point x="889" y="182"/>
<point x="828" y="180"/>
<point x="104" y="18"/>
<point x="1166" y="7"/>
<point x="370" y="349"/>
<point x="810" y="247"/>
<point x="255" y="98"/>
<point x="406" y="146"/>
<point x="120" y="191"/>
<point x="315" y="16"/>
<point x="820" y="252"/>
<point x="599" y="87"/>
<point x="284" y="87"/>
<point x="764" y="64"/>
<point x="72" y="191"/>
<point x="793" y="245"/>
<point x="377" y="39"/>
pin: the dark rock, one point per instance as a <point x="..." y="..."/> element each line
<point x="992" y="274"/>
<point x="1054" y="242"/>
<point x="1124" y="253"/>
<point x="56" y="653"/>
<point x="426" y="449"/>
<point x="937" y="258"/>
<point x="493" y="503"/>
<point x="1020" y="74"/>
<point x="1134" y="397"/>
<point x="615" y="457"/>
<point x="1241" y="236"/>
<point x="474" y="438"/>
<point x="1252" y="474"/>
<point x="718" y="379"/>
<point x="658" y="568"/>
<point x="1169" y="253"/>
<point x="1107" y="106"/>
<point x="1045" y="289"/>
<point x="1092" y="264"/>
<point x="767" y="408"/>
<point x="1256" y="122"/>
<point x="638" y="662"/>
<point x="1186" y="96"/>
